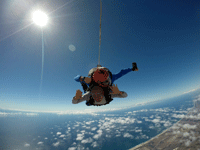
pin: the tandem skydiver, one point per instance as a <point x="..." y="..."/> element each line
<point x="98" y="86"/>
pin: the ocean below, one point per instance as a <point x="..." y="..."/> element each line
<point x="112" y="130"/>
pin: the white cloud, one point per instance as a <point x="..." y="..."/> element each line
<point x="89" y="122"/>
<point x="108" y="136"/>
<point x="138" y="130"/>
<point x="97" y="136"/>
<point x="94" y="128"/>
<point x="157" y="125"/>
<point x="151" y="116"/>
<point x="40" y="143"/>
<point x="158" y="117"/>
<point x="99" y="131"/>
<point x="72" y="148"/>
<point x="94" y="144"/>
<point x="45" y="138"/>
<point x="127" y="135"/>
<point x="83" y="131"/>
<point x="156" y="120"/>
<point x="87" y="127"/>
<point x="88" y="140"/>
<point x="121" y="120"/>
<point x="151" y="127"/>
<point x="90" y="133"/>
<point x="58" y="133"/>
<point x="167" y="123"/>
<point x="144" y="137"/>
<point x="26" y="145"/>
<point x="146" y="118"/>
<point x="62" y="136"/>
<point x="118" y="135"/>
<point x="56" y="144"/>
<point x="80" y="137"/>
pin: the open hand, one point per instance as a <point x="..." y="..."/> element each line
<point x="78" y="94"/>
<point x="115" y="89"/>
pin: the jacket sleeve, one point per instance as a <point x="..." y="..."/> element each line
<point x="83" y="83"/>
<point x="77" y="78"/>
<point x="123" y="95"/>
<point x="86" y="97"/>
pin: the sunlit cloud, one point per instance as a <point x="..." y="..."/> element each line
<point x="97" y="136"/>
<point x="26" y="145"/>
<point x="40" y="143"/>
<point x="72" y="148"/>
<point x="94" y="144"/>
<point x="80" y="137"/>
<point x="127" y="135"/>
<point x="62" y="136"/>
<point x="156" y="120"/>
<point x="94" y="128"/>
<point x="56" y="144"/>
<point x="88" y="140"/>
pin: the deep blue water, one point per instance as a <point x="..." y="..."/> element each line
<point x="44" y="130"/>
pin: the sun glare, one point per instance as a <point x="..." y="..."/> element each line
<point x="40" y="18"/>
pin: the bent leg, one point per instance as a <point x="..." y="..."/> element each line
<point x="120" y="74"/>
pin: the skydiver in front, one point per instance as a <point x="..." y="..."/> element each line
<point x="97" y="95"/>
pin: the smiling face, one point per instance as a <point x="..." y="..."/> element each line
<point x="97" y="93"/>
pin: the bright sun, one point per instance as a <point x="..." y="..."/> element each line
<point x="40" y="18"/>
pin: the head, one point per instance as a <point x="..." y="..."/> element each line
<point x="97" y="93"/>
<point x="101" y="76"/>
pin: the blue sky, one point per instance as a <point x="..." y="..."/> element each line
<point x="161" y="36"/>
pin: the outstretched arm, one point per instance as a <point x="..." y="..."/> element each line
<point x="79" y="78"/>
<point x="79" y="97"/>
<point x="116" y="93"/>
<point x="85" y="81"/>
